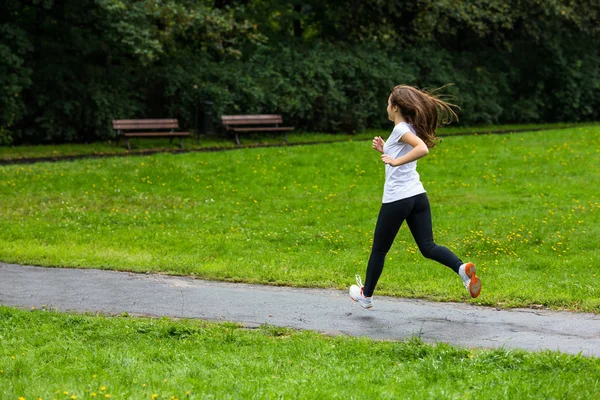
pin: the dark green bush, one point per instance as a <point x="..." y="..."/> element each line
<point x="67" y="68"/>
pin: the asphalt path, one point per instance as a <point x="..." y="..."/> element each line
<point x="327" y="311"/>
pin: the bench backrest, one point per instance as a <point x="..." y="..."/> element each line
<point x="267" y="119"/>
<point x="124" y="124"/>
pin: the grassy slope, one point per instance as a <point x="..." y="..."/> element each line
<point x="523" y="207"/>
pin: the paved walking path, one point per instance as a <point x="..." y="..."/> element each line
<point x="329" y="311"/>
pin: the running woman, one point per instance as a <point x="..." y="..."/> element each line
<point x="416" y="116"/>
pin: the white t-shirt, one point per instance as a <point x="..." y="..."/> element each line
<point x="403" y="181"/>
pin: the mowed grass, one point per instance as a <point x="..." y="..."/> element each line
<point x="219" y="141"/>
<point x="49" y="355"/>
<point x="524" y="207"/>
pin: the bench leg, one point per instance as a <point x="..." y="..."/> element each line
<point x="128" y="144"/>
<point x="237" y="139"/>
<point x="181" y="143"/>
<point x="286" y="138"/>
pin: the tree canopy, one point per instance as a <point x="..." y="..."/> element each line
<point x="68" y="67"/>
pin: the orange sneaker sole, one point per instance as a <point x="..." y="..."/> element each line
<point x="475" y="283"/>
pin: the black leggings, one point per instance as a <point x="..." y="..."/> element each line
<point x="417" y="213"/>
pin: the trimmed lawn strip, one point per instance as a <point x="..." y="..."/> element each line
<point x="215" y="142"/>
<point x="51" y="355"/>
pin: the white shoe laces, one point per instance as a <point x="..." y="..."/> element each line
<point x="359" y="281"/>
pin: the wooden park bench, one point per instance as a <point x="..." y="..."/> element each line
<point x="254" y="123"/>
<point x="132" y="128"/>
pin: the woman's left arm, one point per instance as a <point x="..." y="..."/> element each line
<point x="419" y="150"/>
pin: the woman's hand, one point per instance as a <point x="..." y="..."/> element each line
<point x="389" y="160"/>
<point x="378" y="144"/>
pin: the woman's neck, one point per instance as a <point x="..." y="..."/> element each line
<point x="398" y="118"/>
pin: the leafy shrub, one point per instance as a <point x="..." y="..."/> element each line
<point x="67" y="68"/>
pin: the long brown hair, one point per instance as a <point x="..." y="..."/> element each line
<point x="425" y="111"/>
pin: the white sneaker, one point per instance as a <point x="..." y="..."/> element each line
<point x="356" y="294"/>
<point x="470" y="280"/>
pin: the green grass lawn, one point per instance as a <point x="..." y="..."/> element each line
<point x="524" y="207"/>
<point x="47" y="355"/>
<point x="224" y="142"/>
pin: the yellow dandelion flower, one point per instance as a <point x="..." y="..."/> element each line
<point x="154" y="396"/>
<point x="103" y="388"/>
<point x="21" y="398"/>
<point x="94" y="394"/>
<point x="73" y="397"/>
<point x="107" y="396"/>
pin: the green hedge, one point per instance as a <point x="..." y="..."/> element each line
<point x="68" y="68"/>
<point x="325" y="87"/>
